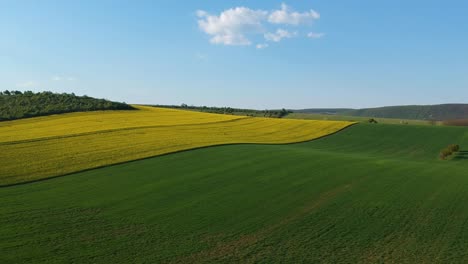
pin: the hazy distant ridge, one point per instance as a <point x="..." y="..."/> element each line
<point x="421" y="112"/>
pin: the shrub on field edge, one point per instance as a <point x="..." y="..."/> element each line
<point x="449" y="150"/>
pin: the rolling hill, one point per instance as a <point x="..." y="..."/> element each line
<point x="368" y="194"/>
<point x="62" y="144"/>
<point x="17" y="105"/>
<point x="411" y="112"/>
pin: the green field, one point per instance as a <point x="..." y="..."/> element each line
<point x="409" y="112"/>
<point x="369" y="194"/>
<point x="340" y="117"/>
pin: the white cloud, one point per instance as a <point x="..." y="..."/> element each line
<point x="232" y="25"/>
<point x="279" y="35"/>
<point x="56" y="78"/>
<point x="287" y="16"/>
<point x="238" y="26"/>
<point x="262" y="46"/>
<point x="27" y="84"/>
<point x="315" y="35"/>
<point x="201" y="13"/>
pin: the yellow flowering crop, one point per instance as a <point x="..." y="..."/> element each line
<point x="36" y="148"/>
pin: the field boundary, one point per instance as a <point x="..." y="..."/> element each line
<point x="5" y="143"/>
<point x="175" y="152"/>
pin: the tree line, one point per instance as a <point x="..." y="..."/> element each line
<point x="232" y="111"/>
<point x="17" y="104"/>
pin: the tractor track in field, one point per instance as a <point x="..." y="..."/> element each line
<point x="233" y="248"/>
<point x="105" y="131"/>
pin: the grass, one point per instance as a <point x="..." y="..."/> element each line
<point x="44" y="147"/>
<point x="338" y="117"/>
<point x="369" y="194"/>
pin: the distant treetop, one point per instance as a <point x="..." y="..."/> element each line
<point x="17" y="104"/>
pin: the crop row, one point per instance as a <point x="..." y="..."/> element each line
<point x="89" y="122"/>
<point x="38" y="158"/>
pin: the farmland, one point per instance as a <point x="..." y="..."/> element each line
<point x="233" y="132"/>
<point x="62" y="144"/>
<point x="368" y="194"/>
<point x="399" y="112"/>
<point x="342" y="117"/>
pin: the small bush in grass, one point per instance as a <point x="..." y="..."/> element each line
<point x="454" y="148"/>
<point x="444" y="153"/>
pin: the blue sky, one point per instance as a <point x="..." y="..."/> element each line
<point x="361" y="54"/>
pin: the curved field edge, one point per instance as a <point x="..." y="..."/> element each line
<point x="175" y="152"/>
<point x="60" y="156"/>
<point x="346" y="198"/>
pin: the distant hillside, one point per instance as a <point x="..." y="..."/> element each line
<point x="421" y="112"/>
<point x="416" y="112"/>
<point x="16" y="105"/>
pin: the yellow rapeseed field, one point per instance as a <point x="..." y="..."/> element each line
<point x="37" y="148"/>
<point x="89" y="122"/>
